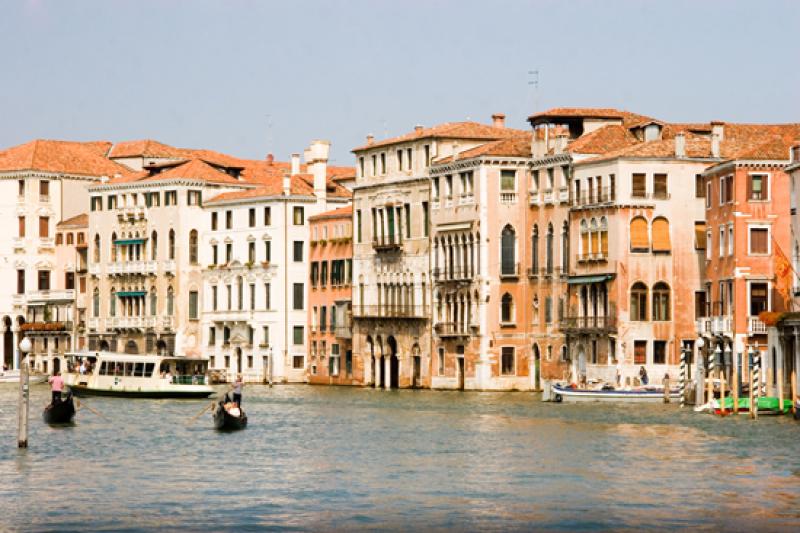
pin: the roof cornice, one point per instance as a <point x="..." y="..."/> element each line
<point x="27" y="173"/>
<point x="145" y="184"/>
<point x="726" y="166"/>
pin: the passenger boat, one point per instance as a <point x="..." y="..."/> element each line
<point x="228" y="417"/>
<point x="61" y="412"/>
<point x="137" y="376"/>
<point x="645" y="393"/>
<point x="12" y="376"/>
<point x="767" y="405"/>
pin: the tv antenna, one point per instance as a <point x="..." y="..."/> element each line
<point x="533" y="80"/>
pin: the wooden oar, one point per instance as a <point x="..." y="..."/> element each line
<point x="195" y="417"/>
<point x="78" y="402"/>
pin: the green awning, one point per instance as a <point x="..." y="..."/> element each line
<point x="128" y="241"/>
<point x="580" y="280"/>
<point x="131" y="293"/>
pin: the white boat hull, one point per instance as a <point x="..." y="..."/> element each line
<point x="560" y="394"/>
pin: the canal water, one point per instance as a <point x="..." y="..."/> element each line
<point x="351" y="458"/>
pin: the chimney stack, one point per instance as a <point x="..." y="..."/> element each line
<point x="370" y="138"/>
<point x="499" y="120"/>
<point x="680" y="145"/>
<point x="287" y="184"/>
<point x="295" y="164"/>
<point x="560" y="145"/>
<point x="715" y="144"/>
<point x="270" y="158"/>
<point x="418" y="128"/>
<point x="317" y="161"/>
<point x="718" y="129"/>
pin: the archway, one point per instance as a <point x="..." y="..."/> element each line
<point x="537" y="368"/>
<point x="371" y="347"/>
<point x="56" y="365"/>
<point x="415" y="351"/>
<point x="131" y="347"/>
<point x="394" y="364"/>
<point x="379" y="368"/>
<point x="239" y="360"/>
<point x="161" y="347"/>
<point x="8" y="343"/>
<point x="104" y="346"/>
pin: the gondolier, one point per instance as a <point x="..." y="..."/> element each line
<point x="56" y="386"/>
<point x="237" y="390"/>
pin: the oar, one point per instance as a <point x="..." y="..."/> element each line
<point x="195" y="417"/>
<point x="77" y="401"/>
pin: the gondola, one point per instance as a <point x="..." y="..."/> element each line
<point x="61" y="412"/>
<point x="227" y="417"/>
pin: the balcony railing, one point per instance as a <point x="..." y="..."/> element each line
<point x="534" y="198"/>
<point x="133" y="267"/>
<point x="703" y="326"/>
<point x="588" y="323"/>
<point x="442" y="275"/>
<point x="596" y="257"/>
<point x="169" y="266"/>
<point x="131" y="212"/>
<point x="386" y="244"/>
<point x="47" y="242"/>
<point x="533" y="272"/>
<point x="49" y="296"/>
<point x="343" y="332"/>
<point x="451" y="329"/>
<point x="508" y="197"/>
<point x="603" y="195"/>
<point x="755" y="326"/>
<point x="549" y="197"/>
<point x="641" y="195"/>
<point x="94" y="269"/>
<point x="18" y="242"/>
<point x="509" y="271"/>
<point x="563" y="195"/>
<point x="131" y="322"/>
<point x="722" y="325"/>
<point x="387" y="311"/>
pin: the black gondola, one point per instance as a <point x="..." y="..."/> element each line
<point x="224" y="420"/>
<point x="61" y="412"/>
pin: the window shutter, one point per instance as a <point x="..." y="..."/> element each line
<point x="765" y="187"/>
<point x="661" y="235"/>
<point x="604" y="242"/>
<point x="639" y="237"/>
<point x="749" y="187"/>
<point x="585" y="243"/>
<point x="700" y="235"/>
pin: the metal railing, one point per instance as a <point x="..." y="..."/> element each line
<point x="589" y="323"/>
<point x="389" y="311"/>
<point x="451" y="329"/>
<point x="386" y="243"/>
<point x="508" y="197"/>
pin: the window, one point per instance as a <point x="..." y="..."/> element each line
<point x="700" y="304"/>
<point x="214" y="221"/>
<point x="298" y="216"/>
<point x="374" y="168"/>
<point x="97" y="203"/>
<point x="111" y="202"/>
<point x="170" y="302"/>
<point x="548" y="310"/>
<point x="112" y="310"/>
<point x="507" y="309"/>
<point x="251" y="252"/>
<point x="267" y="216"/>
<point x="214" y="299"/>
<point x="21" y="281"/>
<point x="729" y="189"/>
<point x="44" y="227"/>
<point x="639" y="302"/>
<point x="194" y="198"/>
<point x="171" y="198"/>
<point x="440" y="365"/>
<point x="549" y="249"/>
<point x="20" y="226"/>
<point x="639" y="352"/>
<point x="361" y="166"/>
<point x="228" y="252"/>
<point x="267" y="251"/>
<point x="435" y="188"/>
<point x="297" y="336"/>
<point x="730" y="239"/>
<point x="507" y="361"/>
<point x="659" y="352"/>
<point x="298" y="250"/>
<point x="661" y="242"/>
<point x="251" y="217"/>
<point x="699" y="187"/>
<point x="535" y="250"/>
<point x="97" y="248"/>
<point x="640" y="240"/>
<point x="661" y="309"/>
<point x="400" y="160"/>
<point x="758" y="187"/>
<point x="507" y="251"/>
<point x="383" y="163"/>
<point x="660" y="186"/>
<point x="358" y="225"/>
<point x="425" y="218"/>
<point x="69" y="281"/>
<point x="155" y="199"/>
<point x="192" y="305"/>
<point x="153" y="301"/>
<point x="21" y="187"/>
<point x="265" y="336"/>
<point x="759" y="298"/>
<point x="638" y="186"/>
<point x="267" y="296"/>
<point x="427" y="150"/>
<point x="333" y="362"/>
<point x="708" y="194"/>
<point x="228" y="219"/>
<point x="252" y="296"/>
<point x="214" y="254"/>
<point x="407" y="208"/>
<point x="323" y="318"/>
<point x="709" y="248"/>
<point x="298" y="297"/>
<point x="193" y="247"/>
<point x="759" y="240"/>
<point x="212" y="336"/>
<point x="323" y="277"/>
<point x="172" y="244"/>
<point x="508" y="180"/>
<point x="699" y="235"/>
<point x="44" y="280"/>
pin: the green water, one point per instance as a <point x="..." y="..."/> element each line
<point x="349" y="458"/>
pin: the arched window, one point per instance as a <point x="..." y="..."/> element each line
<point x="153" y="246"/>
<point x="60" y="238"/>
<point x="565" y="248"/>
<point x="113" y="244"/>
<point x="71" y="238"/>
<point x="80" y="237"/>
<point x="112" y="310"/>
<point x="604" y="237"/>
<point x="535" y="249"/>
<point x="661" y="242"/>
<point x="640" y="240"/>
<point x="549" y="250"/>
<point x="639" y="302"/>
<point x="193" y="247"/>
<point x="96" y="303"/>
<point x="507" y="309"/>
<point x="240" y="292"/>
<point x="97" y="248"/>
<point x="170" y="302"/>
<point x="594" y="238"/>
<point x="585" y="251"/>
<point x="508" y="257"/>
<point x="661" y="310"/>
<point x="172" y="244"/>
<point x="153" y="302"/>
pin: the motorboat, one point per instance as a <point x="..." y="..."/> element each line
<point x="644" y="393"/>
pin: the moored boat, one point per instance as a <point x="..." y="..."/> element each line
<point x="767" y="405"/>
<point x="228" y="416"/>
<point x="638" y="394"/>
<point x="60" y="412"/>
<point x="137" y="376"/>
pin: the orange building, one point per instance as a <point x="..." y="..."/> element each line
<point x="330" y="349"/>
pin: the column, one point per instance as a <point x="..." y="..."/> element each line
<point x="15" y="346"/>
<point x="387" y="372"/>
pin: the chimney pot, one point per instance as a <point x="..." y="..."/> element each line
<point x="718" y="129"/>
<point x="418" y="128"/>
<point x="680" y="145"/>
<point x="499" y="120"/>
<point x="370" y="138"/>
<point x="270" y="158"/>
<point x="295" y="164"/>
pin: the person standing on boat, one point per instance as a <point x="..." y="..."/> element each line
<point x="56" y="386"/>
<point x="643" y="376"/>
<point x="237" y="390"/>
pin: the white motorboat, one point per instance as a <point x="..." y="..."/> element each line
<point x="646" y="393"/>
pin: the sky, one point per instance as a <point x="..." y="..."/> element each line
<point x="250" y="77"/>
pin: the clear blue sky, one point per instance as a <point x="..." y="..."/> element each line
<point x="250" y="77"/>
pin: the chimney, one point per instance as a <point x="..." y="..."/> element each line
<point x="370" y="139"/>
<point x="287" y="185"/>
<point x="295" y="164"/>
<point x="499" y="120"/>
<point x="418" y="128"/>
<point x="317" y="161"/>
<point x="718" y="129"/>
<point x="560" y="144"/>
<point x="456" y="150"/>
<point x="680" y="145"/>
<point x="270" y="159"/>
<point x="714" y="144"/>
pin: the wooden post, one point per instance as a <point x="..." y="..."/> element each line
<point x="794" y="391"/>
<point x="666" y="388"/>
<point x="22" y="406"/>
<point x="735" y="378"/>
<point x="779" y="372"/>
<point x="722" y="410"/>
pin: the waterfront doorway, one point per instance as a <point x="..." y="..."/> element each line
<point x="394" y="364"/>
<point x="104" y="346"/>
<point x="56" y="364"/>
<point x="460" y="360"/>
<point x="8" y="344"/>
<point x="238" y="360"/>
<point x="131" y="348"/>
<point x="161" y="347"/>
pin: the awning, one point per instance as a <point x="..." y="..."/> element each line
<point x="131" y="293"/>
<point x="580" y="280"/>
<point x="129" y="241"/>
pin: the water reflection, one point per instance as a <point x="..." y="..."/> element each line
<point x="338" y="458"/>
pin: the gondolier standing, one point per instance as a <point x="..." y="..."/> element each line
<point x="56" y="386"/>
<point x="237" y="390"/>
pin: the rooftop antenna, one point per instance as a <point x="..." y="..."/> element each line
<point x="269" y="132"/>
<point x="533" y="80"/>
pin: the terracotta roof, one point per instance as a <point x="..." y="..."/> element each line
<point x="78" y="221"/>
<point x="60" y="156"/>
<point x="448" y="130"/>
<point x="194" y="169"/>
<point x="341" y="212"/>
<point x="144" y="148"/>
<point x="518" y="145"/>
<point x="628" y="119"/>
<point x="602" y="140"/>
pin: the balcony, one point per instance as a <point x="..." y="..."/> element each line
<point x="43" y="328"/>
<point x="534" y="198"/>
<point x="47" y="242"/>
<point x="131" y="322"/>
<point x="533" y="273"/>
<point x="450" y="330"/>
<point x="604" y="195"/>
<point x="17" y="300"/>
<point x="132" y="267"/>
<point x="597" y="257"/>
<point x="563" y="195"/>
<point x="588" y="324"/>
<point x="549" y="197"/>
<point x="722" y="325"/>
<point x="441" y="275"/>
<point x="509" y="271"/>
<point x="18" y="242"/>
<point x="387" y="244"/>
<point x="167" y="323"/>
<point x="343" y="332"/>
<point x="703" y="326"/>
<point x="65" y="295"/>
<point x="385" y="311"/>
<point x="755" y="326"/>
<point x="94" y="269"/>
<point x="230" y="315"/>
<point x="508" y="197"/>
<point x="131" y="212"/>
<point x="641" y="195"/>
<point x="168" y="266"/>
<point x="466" y="199"/>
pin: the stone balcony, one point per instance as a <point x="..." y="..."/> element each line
<point x="62" y="295"/>
<point x="451" y="330"/>
<point x="755" y="326"/>
<point x="132" y="267"/>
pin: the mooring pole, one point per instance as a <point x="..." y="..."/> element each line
<point x="683" y="375"/>
<point x="22" y="406"/>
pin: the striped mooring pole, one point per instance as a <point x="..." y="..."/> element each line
<point x="683" y="376"/>
<point x="757" y="374"/>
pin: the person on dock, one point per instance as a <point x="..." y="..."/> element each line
<point x="56" y="386"/>
<point x="237" y="390"/>
<point x="643" y="376"/>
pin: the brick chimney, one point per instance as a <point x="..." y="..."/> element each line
<point x="270" y="159"/>
<point x="560" y="145"/>
<point x="295" y="164"/>
<point x="418" y="128"/>
<point x="718" y="129"/>
<point x="499" y="120"/>
<point x="370" y="138"/>
<point x="680" y="145"/>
